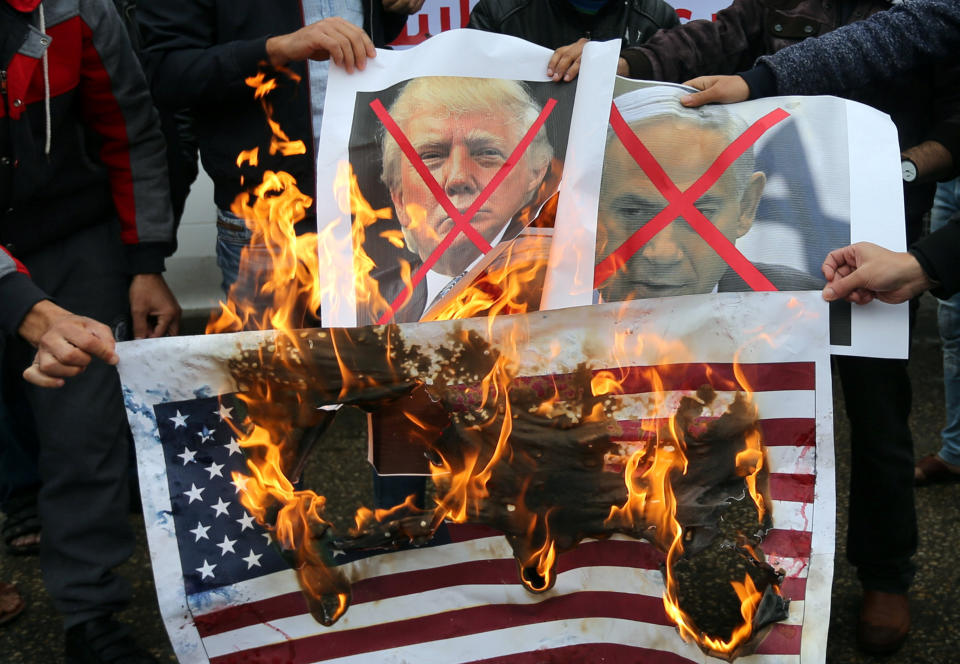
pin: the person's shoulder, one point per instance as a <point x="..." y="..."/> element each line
<point x="661" y="12"/>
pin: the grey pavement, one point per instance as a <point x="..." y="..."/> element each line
<point x="36" y="636"/>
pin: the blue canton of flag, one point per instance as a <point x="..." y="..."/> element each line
<point x="220" y="543"/>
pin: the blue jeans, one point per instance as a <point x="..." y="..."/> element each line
<point x="233" y="242"/>
<point x="946" y="204"/>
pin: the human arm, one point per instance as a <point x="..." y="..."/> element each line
<point x="64" y="342"/>
<point x="333" y="38"/>
<point x="116" y="104"/>
<point x="17" y="293"/>
<point x="933" y="160"/>
<point x="887" y="44"/>
<point x="185" y="63"/>
<point x="730" y="43"/>
<point x="863" y="272"/>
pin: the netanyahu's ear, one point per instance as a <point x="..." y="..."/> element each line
<point x="749" y="202"/>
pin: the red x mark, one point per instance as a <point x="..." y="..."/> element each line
<point x="461" y="222"/>
<point x="681" y="203"/>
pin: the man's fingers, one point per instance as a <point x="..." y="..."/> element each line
<point x="63" y="348"/>
<point x="555" y="62"/>
<point x="696" y="99"/>
<point x="140" y="327"/>
<point x="32" y="374"/>
<point x="572" y="71"/>
<point x="716" y="89"/>
<point x="97" y="340"/>
<point x="163" y="325"/>
<point x="565" y="61"/>
<point x="842" y="287"/>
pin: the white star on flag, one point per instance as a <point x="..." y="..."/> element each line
<point x="206" y="570"/>
<point x="226" y="546"/>
<point x="200" y="532"/>
<point x="220" y="507"/>
<point x="187" y="456"/>
<point x="214" y="469"/>
<point x="206" y="434"/>
<point x="224" y="412"/>
<point x="240" y="482"/>
<point x="246" y="521"/>
<point x="194" y="493"/>
<point x="253" y="559"/>
<point x="268" y="537"/>
<point x="233" y="446"/>
<point x="179" y="420"/>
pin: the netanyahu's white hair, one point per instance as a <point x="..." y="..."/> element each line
<point x="662" y="102"/>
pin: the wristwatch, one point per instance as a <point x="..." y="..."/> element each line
<point x="909" y="169"/>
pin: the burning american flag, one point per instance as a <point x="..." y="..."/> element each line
<point x="229" y="594"/>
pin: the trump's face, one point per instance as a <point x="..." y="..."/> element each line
<point x="463" y="152"/>
<point x="676" y="261"/>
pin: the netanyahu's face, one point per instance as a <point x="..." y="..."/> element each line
<point x="675" y="261"/>
<point x="463" y="153"/>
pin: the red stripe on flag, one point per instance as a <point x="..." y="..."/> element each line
<point x="794" y="588"/>
<point x="451" y="624"/>
<point x="777" y="432"/>
<point x="594" y="653"/>
<point x="766" y="377"/>
<point x="503" y="571"/>
<point x="789" y="432"/>
<point x="798" y="488"/>
<point x="787" y="543"/>
<point x="782" y="640"/>
<point x="613" y="553"/>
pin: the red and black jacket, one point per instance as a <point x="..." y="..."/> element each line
<point x="94" y="154"/>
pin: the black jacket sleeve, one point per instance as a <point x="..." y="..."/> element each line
<point x="939" y="256"/>
<point x="186" y="66"/>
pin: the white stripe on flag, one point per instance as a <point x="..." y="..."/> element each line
<point x="790" y="515"/>
<point x="770" y="405"/>
<point x="792" y="460"/>
<point x="555" y="634"/>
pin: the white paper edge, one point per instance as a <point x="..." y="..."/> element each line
<point x="569" y="280"/>
<point x="876" y="193"/>
<point x="819" y="589"/>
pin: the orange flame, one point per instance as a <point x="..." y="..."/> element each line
<point x="289" y="291"/>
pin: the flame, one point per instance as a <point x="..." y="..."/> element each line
<point x="287" y="293"/>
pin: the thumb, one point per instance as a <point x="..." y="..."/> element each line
<point x="841" y="287"/>
<point x="706" y="96"/>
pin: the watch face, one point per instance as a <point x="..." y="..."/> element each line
<point x="909" y="170"/>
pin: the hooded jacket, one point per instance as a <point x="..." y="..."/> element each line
<point x="80" y="143"/>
